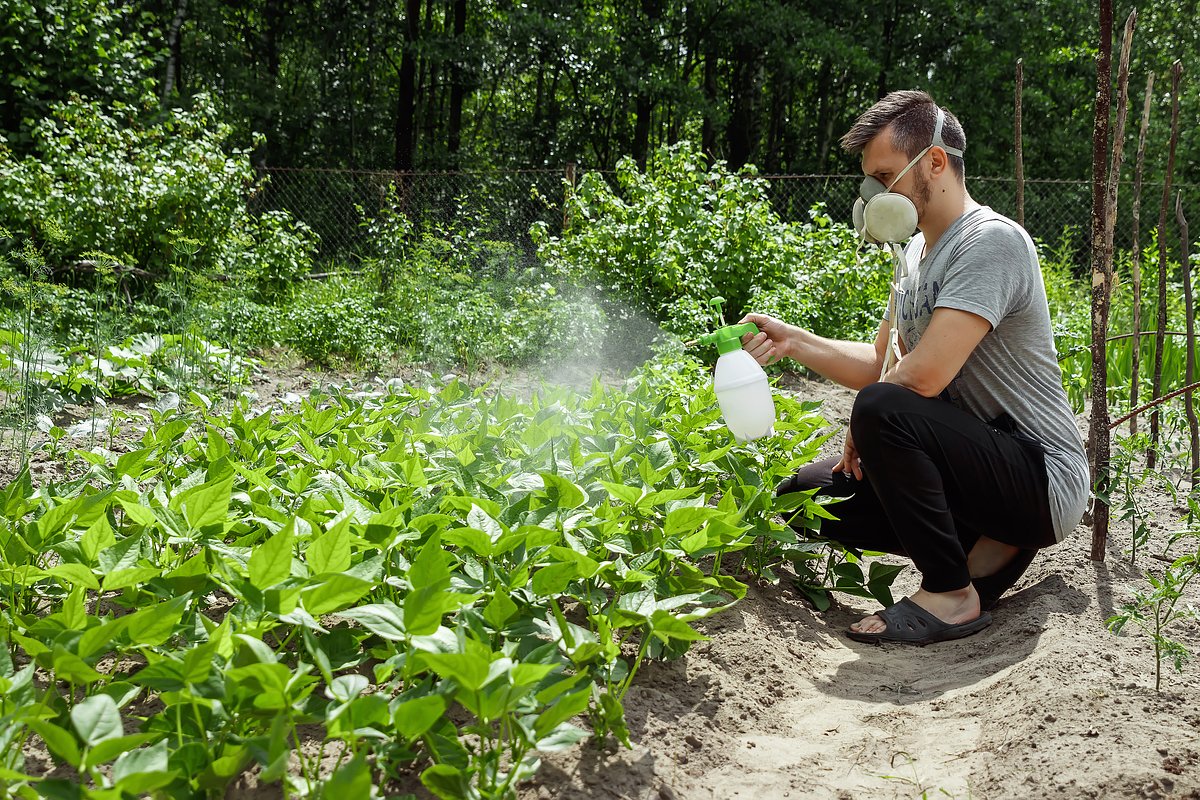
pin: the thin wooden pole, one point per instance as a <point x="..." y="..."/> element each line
<point x="1191" y="387"/>
<point x="1188" y="370"/>
<point x="1098" y="450"/>
<point x="1135" y="268"/>
<point x="1160" y="338"/>
<point x="1019" y="154"/>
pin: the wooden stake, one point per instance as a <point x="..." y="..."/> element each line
<point x="1135" y="269"/>
<point x="1098" y="444"/>
<point x="1020" y="157"/>
<point x="1160" y="338"/>
<point x="1189" y="368"/>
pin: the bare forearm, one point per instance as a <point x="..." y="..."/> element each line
<point x="852" y="364"/>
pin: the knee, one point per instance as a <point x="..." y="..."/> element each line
<point x="875" y="402"/>
<point x="811" y="476"/>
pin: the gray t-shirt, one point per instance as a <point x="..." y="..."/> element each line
<point x="986" y="264"/>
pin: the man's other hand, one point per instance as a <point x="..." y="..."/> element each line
<point x="850" y="463"/>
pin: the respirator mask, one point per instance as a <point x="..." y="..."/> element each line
<point x="887" y="218"/>
<point x="881" y="215"/>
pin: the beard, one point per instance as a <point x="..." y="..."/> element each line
<point x="922" y="192"/>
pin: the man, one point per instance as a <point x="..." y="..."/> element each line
<point x="964" y="455"/>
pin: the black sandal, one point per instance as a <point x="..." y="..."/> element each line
<point x="908" y="623"/>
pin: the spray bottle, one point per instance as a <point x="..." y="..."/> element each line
<point x="739" y="382"/>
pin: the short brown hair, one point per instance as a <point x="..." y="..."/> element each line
<point x="912" y="116"/>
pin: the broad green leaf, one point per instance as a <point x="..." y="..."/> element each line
<point x="76" y="575"/>
<point x="96" y="538"/>
<point x="432" y="564"/>
<point x="153" y="625"/>
<point x="552" y="580"/>
<point x="446" y="782"/>
<point x="687" y="520"/>
<point x="499" y="610"/>
<point x="206" y="504"/>
<point x="96" y="718"/>
<point x="412" y="718"/>
<point x="350" y="781"/>
<point x="567" y="706"/>
<point x="271" y="562"/>
<point x="330" y="552"/>
<point x="425" y="607"/>
<point x="626" y="494"/>
<point x="561" y="492"/>
<point x="59" y="740"/>
<point x="382" y="619"/>
<point x="141" y="771"/>
<point x="667" y="628"/>
<point x="468" y="670"/>
<point x="70" y="667"/>
<point x="107" y="750"/>
<point x="334" y="593"/>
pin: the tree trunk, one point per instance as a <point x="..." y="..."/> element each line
<point x="644" y="103"/>
<point x="1160" y="338"/>
<point x="1188" y="370"/>
<point x="406" y="93"/>
<point x="708" y="125"/>
<point x="1018" y="154"/>
<point x="1135" y="266"/>
<point x="889" y="34"/>
<point x="739" y="132"/>
<point x="174" y="46"/>
<point x="1098" y="442"/>
<point x="458" y="80"/>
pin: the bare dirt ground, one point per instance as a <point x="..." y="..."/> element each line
<point x="1046" y="703"/>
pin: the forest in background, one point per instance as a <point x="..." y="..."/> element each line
<point x="451" y="84"/>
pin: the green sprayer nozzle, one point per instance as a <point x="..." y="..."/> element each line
<point x="729" y="338"/>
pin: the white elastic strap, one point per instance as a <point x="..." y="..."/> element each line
<point x="891" y="353"/>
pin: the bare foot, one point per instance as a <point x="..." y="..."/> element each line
<point x="961" y="605"/>
<point x="988" y="557"/>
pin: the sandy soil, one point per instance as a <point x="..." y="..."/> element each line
<point x="1046" y="703"/>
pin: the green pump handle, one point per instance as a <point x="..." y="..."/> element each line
<point x="729" y="338"/>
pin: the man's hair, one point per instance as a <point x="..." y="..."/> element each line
<point x="912" y="116"/>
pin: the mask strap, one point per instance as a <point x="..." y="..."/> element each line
<point x="937" y="135"/>
<point x="937" y="142"/>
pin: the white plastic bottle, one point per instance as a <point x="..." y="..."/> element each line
<point x="741" y="386"/>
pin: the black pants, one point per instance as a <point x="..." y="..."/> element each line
<point x="935" y="479"/>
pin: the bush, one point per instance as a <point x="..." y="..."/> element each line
<point x="664" y="241"/>
<point x="103" y="179"/>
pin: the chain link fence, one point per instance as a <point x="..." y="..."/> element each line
<point x="502" y="205"/>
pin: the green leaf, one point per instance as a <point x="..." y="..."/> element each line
<point x="96" y="718"/>
<point x="626" y="494"/>
<point x="446" y="782"/>
<point x="139" y="772"/>
<point x="59" y="740"/>
<point x="561" y="492"/>
<point x="330" y="552"/>
<point x="552" y="580"/>
<point x="432" y="564"/>
<point x="271" y="562"/>
<point x="468" y="670"/>
<point x="351" y="781"/>
<point x="109" y="749"/>
<point x="667" y="628"/>
<point x="76" y="575"/>
<point x="688" y="519"/>
<point x="499" y="610"/>
<point x="382" y="619"/>
<point x="412" y="718"/>
<point x="335" y="593"/>
<point x="425" y="607"/>
<point x="206" y="504"/>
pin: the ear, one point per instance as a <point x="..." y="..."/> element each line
<point x="939" y="161"/>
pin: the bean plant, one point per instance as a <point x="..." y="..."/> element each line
<point x="408" y="580"/>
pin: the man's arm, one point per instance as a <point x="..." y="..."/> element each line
<point x="852" y="364"/>
<point x="949" y="340"/>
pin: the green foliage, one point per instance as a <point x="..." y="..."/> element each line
<point x="102" y="178"/>
<point x="433" y="578"/>
<point x="1160" y="608"/>
<point x="667" y="239"/>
